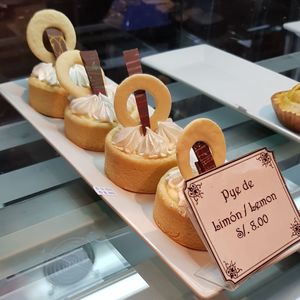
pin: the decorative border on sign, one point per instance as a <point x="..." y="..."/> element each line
<point x="266" y="159"/>
<point x="232" y="270"/>
<point x="195" y="191"/>
<point x="295" y="228"/>
<point x="204" y="233"/>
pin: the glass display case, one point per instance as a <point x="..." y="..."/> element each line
<point x="58" y="238"/>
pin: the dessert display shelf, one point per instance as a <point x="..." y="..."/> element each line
<point x="229" y="79"/>
<point x="195" y="268"/>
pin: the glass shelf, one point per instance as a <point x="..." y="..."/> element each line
<point x="58" y="240"/>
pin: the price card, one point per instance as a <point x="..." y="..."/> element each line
<point x="245" y="214"/>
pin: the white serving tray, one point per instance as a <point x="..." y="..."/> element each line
<point x="233" y="81"/>
<point x="293" y="27"/>
<point x="135" y="209"/>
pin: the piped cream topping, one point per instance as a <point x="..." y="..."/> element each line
<point x="78" y="76"/>
<point x="46" y="72"/>
<point x="98" y="107"/>
<point x="174" y="185"/>
<point x="161" y="143"/>
<point x="131" y="140"/>
<point x="170" y="131"/>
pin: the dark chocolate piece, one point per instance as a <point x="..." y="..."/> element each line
<point x="92" y="66"/>
<point x="205" y="160"/>
<point x="142" y="105"/>
<point x="133" y="64"/>
<point x="132" y="61"/>
<point x="57" y="41"/>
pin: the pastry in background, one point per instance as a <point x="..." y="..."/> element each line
<point x="45" y="93"/>
<point x="136" y="157"/>
<point x="287" y="107"/>
<point x="170" y="206"/>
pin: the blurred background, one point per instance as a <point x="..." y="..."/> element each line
<point x="248" y="28"/>
<point x="251" y="29"/>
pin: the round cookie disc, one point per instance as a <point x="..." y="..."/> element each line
<point x="63" y="64"/>
<point x="203" y="130"/>
<point x="42" y="20"/>
<point x="149" y="83"/>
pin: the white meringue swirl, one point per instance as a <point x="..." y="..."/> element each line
<point x="152" y="145"/>
<point x="46" y="72"/>
<point x="175" y="185"/>
<point x="79" y="76"/>
<point x="170" y="131"/>
<point x="131" y="140"/>
<point x="97" y="107"/>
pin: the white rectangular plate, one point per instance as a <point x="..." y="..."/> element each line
<point x="231" y="80"/>
<point x="293" y="27"/>
<point x="135" y="209"/>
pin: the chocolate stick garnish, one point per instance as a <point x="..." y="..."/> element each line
<point x="57" y="41"/>
<point x="133" y="64"/>
<point x="132" y="61"/>
<point x="93" y="69"/>
<point x="205" y="160"/>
